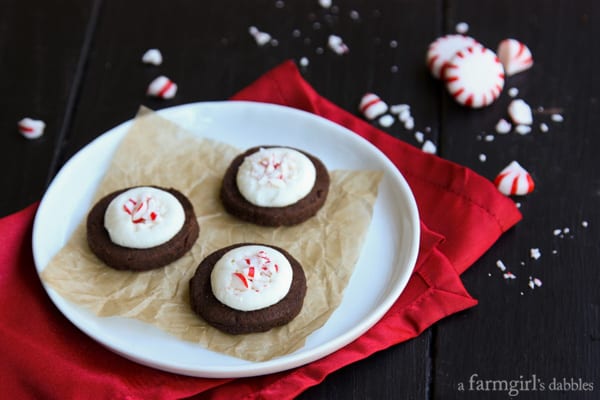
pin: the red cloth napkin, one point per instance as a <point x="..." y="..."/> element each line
<point x="462" y="213"/>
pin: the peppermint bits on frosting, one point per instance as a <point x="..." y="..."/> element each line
<point x="251" y="277"/>
<point x="275" y="177"/>
<point x="143" y="217"/>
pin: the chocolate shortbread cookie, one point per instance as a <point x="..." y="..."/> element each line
<point x="126" y="258"/>
<point x="229" y="320"/>
<point x="236" y="204"/>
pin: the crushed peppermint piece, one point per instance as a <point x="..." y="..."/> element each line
<point x="337" y="45"/>
<point x="535" y="253"/>
<point x="462" y="27"/>
<point x="544" y="127"/>
<point x="518" y="205"/>
<point x="523" y="129"/>
<point x="482" y="157"/>
<point x="566" y="231"/>
<point x="509" y="275"/>
<point x="489" y="138"/>
<point x="162" y="87"/>
<point x="429" y="147"/>
<point x="296" y="33"/>
<point x="531" y="284"/>
<point x="261" y="38"/>
<point x="513" y="92"/>
<point x="394" y="69"/>
<point x="503" y="126"/>
<point x="404" y="115"/>
<point x="585" y="224"/>
<point x="152" y="56"/>
<point x="354" y="15"/>
<point x="279" y="4"/>
<point x="304" y="62"/>
<point x="31" y="128"/>
<point x="557" y="232"/>
<point x="419" y="136"/>
<point x="325" y="3"/>
<point x="409" y="124"/>
<point x="386" y="120"/>
<point x="514" y="180"/>
<point x="520" y="112"/>
<point x="537" y="282"/>
<point x="555" y="251"/>
<point x="393" y="44"/>
<point x="557" y="118"/>
<point x="398" y="108"/>
<point x="371" y="106"/>
<point x="501" y="265"/>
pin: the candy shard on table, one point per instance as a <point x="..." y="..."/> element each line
<point x="515" y="56"/>
<point x="371" y="106"/>
<point x="162" y="87"/>
<point x="514" y="180"/>
<point x="31" y="128"/>
<point x="520" y="112"/>
<point x="152" y="56"/>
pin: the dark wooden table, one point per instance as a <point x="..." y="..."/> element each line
<point x="76" y="65"/>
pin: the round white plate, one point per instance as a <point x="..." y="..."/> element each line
<point x="392" y="240"/>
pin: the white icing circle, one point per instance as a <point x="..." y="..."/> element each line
<point x="251" y="277"/>
<point x="143" y="217"/>
<point x="276" y="177"/>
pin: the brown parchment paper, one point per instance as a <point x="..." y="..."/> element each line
<point x="156" y="151"/>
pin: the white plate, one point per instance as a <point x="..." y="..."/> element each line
<point x="392" y="239"/>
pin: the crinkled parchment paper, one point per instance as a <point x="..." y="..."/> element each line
<point x="158" y="152"/>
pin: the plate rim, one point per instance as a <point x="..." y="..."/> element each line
<point x="252" y="368"/>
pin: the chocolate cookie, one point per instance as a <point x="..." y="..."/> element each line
<point x="235" y="203"/>
<point x="126" y="258"/>
<point x="233" y="321"/>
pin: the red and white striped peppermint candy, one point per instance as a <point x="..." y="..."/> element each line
<point x="514" y="180"/>
<point x="474" y="77"/>
<point x="31" y="128"/>
<point x="442" y="50"/>
<point x="371" y="106"/>
<point x="162" y="87"/>
<point x="514" y="56"/>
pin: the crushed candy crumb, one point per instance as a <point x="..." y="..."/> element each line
<point x="520" y="112"/>
<point x="429" y="147"/>
<point x="557" y="118"/>
<point x="503" y="126"/>
<point x="509" y="275"/>
<point x="386" y="120"/>
<point x="261" y="38"/>
<point x="535" y="253"/>
<point x="544" y="127"/>
<point x="501" y="265"/>
<point x="337" y="45"/>
<point x="462" y="27"/>
<point x="523" y="129"/>
<point x="419" y="136"/>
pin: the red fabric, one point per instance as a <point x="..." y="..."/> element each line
<point x="44" y="356"/>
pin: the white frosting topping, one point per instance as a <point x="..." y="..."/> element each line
<point x="276" y="177"/>
<point x="143" y="217"/>
<point x="251" y="277"/>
